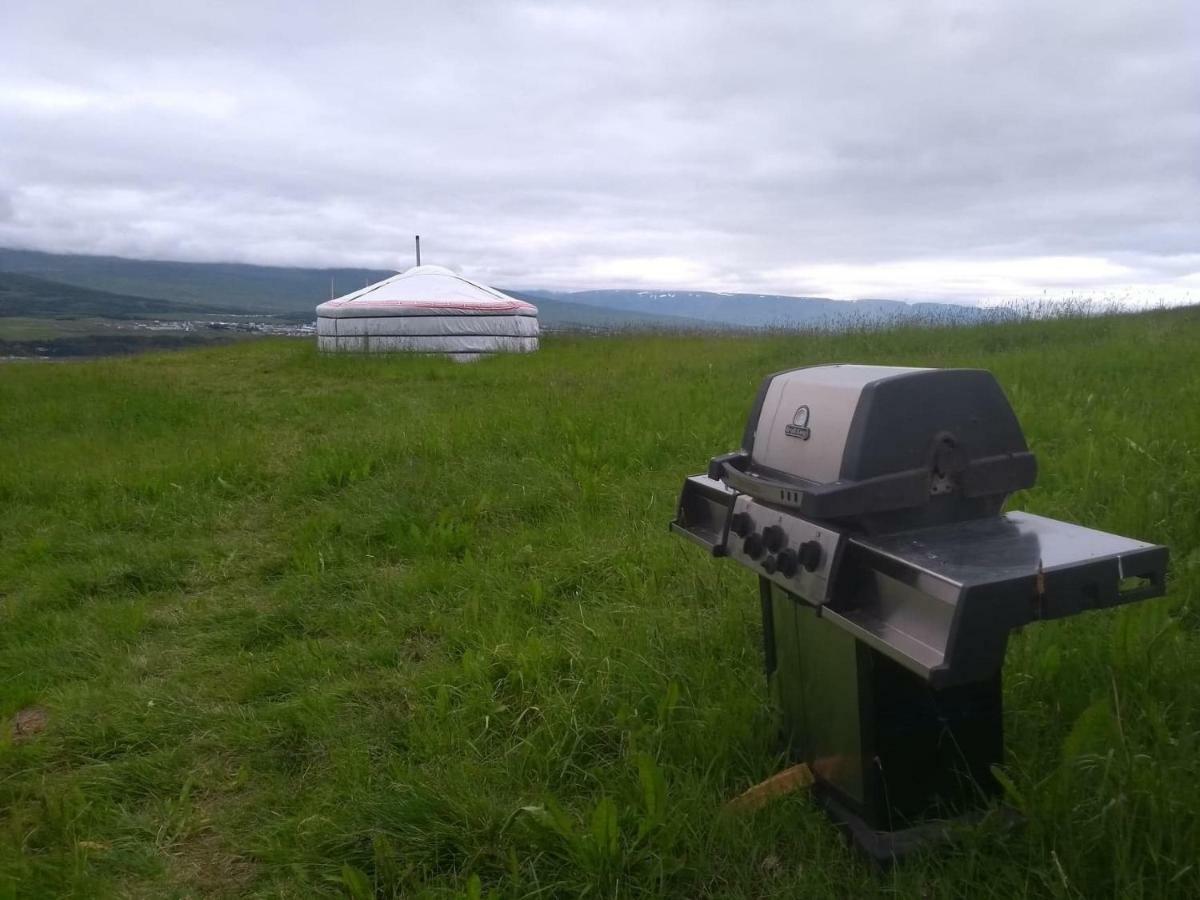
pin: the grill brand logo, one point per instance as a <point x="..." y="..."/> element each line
<point x="799" y="427"/>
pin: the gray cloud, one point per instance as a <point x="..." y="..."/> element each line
<point x="950" y="149"/>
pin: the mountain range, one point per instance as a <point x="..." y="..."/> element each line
<point x="756" y="310"/>
<point x="52" y="284"/>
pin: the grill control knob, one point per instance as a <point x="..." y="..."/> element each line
<point x="810" y="555"/>
<point x="775" y="538"/>
<point x="788" y="563"/>
<point x="753" y="546"/>
<point x="769" y="565"/>
<point x="741" y="524"/>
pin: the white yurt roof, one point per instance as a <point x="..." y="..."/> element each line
<point x="422" y="290"/>
<point x="428" y="309"/>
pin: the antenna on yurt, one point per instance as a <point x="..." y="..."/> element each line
<point x="418" y="249"/>
<point x="331" y="287"/>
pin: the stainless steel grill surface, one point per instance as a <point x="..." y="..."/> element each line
<point x="867" y="500"/>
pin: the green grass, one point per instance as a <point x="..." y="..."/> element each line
<point x="347" y="626"/>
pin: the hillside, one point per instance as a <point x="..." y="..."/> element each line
<point x="260" y="289"/>
<point x="291" y="294"/>
<point x="22" y="295"/>
<point x="279" y="624"/>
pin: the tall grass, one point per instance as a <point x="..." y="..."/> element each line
<point x="392" y="626"/>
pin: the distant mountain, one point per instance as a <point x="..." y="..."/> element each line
<point x="295" y="292"/>
<point x="22" y="295"/>
<point x="259" y="289"/>
<point x="555" y="314"/>
<point x="208" y="288"/>
<point x="758" y="310"/>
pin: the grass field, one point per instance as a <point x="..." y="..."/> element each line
<point x="282" y="625"/>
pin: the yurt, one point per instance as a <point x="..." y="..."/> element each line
<point x="428" y="309"/>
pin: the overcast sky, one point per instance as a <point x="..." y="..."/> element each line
<point x="958" y="150"/>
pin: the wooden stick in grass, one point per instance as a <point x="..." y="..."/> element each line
<point x="796" y="778"/>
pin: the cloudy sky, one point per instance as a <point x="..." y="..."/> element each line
<point x="959" y="150"/>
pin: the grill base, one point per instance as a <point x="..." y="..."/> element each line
<point x="890" y="753"/>
<point x="886" y="847"/>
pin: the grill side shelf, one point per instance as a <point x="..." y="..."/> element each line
<point x="703" y="513"/>
<point x="958" y="590"/>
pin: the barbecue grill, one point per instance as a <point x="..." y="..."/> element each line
<point x="867" y="500"/>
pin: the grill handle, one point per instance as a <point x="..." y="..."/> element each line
<point x="885" y="493"/>
<point x="835" y="500"/>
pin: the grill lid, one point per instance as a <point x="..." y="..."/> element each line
<point x="847" y="441"/>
